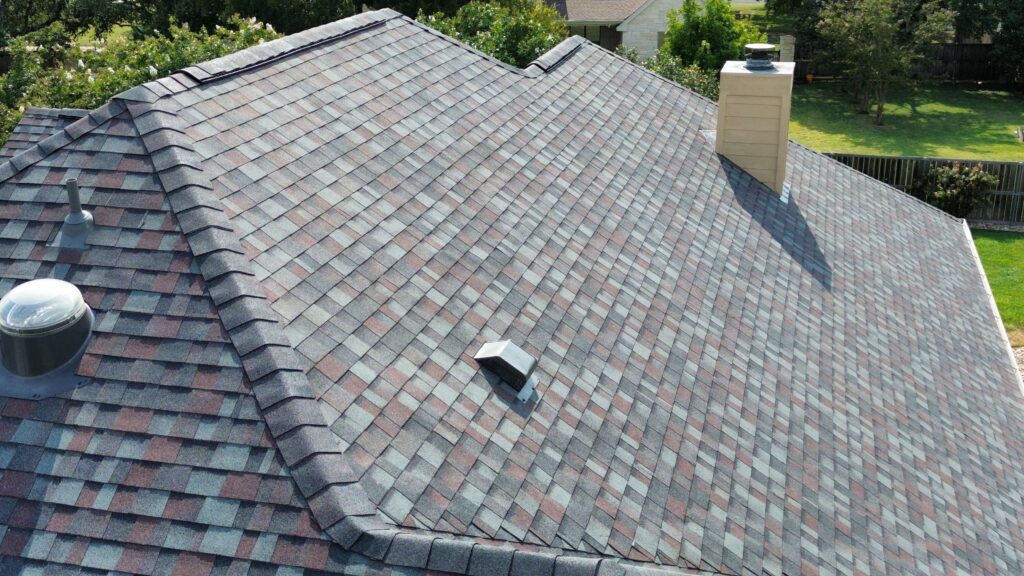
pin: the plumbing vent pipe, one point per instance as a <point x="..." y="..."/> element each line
<point x="77" y="224"/>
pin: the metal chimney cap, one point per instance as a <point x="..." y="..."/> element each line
<point x="759" y="56"/>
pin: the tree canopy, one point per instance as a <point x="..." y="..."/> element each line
<point x="513" y="31"/>
<point x="875" y="43"/>
<point x="707" y="36"/>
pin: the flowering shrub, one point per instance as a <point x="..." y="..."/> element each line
<point x="513" y="31"/>
<point x="956" y="188"/>
<point x="75" y="76"/>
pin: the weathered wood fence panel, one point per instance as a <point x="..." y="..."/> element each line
<point x="1007" y="205"/>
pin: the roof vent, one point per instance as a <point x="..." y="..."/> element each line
<point x="44" y="325"/>
<point x="78" y="222"/>
<point x="759" y="56"/>
<point x="512" y="364"/>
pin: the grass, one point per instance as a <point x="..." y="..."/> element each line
<point x="759" y="17"/>
<point x="1002" y="255"/>
<point x="937" y="120"/>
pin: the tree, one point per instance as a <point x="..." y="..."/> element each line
<point x="290" y="16"/>
<point x="708" y="36"/>
<point x="693" y="77"/>
<point x="513" y="31"/>
<point x="1009" y="40"/>
<point x="875" y="43"/>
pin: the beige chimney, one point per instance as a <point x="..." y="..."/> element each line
<point x="753" y="115"/>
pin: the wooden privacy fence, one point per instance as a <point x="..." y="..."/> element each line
<point x="1007" y="203"/>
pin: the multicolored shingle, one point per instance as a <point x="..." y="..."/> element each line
<point x="301" y="246"/>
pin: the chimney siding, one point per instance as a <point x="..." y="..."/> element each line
<point x="753" y="119"/>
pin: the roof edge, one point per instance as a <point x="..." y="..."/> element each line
<point x="995" y="308"/>
<point x="66" y="112"/>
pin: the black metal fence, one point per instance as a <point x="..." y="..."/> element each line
<point x="1006" y="207"/>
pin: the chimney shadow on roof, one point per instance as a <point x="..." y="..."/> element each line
<point x="783" y="220"/>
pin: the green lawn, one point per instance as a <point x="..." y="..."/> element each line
<point x="755" y="11"/>
<point x="928" y="120"/>
<point x="1002" y="255"/>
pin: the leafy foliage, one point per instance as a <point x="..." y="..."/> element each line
<point x="76" y="77"/>
<point x="290" y="16"/>
<point x="708" y="36"/>
<point x="956" y="189"/>
<point x="690" y="76"/>
<point x="1009" y="40"/>
<point x="513" y="31"/>
<point x="875" y="43"/>
<point x="20" y="17"/>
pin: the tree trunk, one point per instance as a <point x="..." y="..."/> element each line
<point x="880" y="103"/>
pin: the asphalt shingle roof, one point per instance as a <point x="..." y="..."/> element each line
<point x="301" y="246"/>
<point x="35" y="125"/>
<point x="614" y="11"/>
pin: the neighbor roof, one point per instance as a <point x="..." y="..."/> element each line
<point x="612" y="11"/>
<point x="301" y="246"/>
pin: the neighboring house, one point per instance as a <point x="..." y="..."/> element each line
<point x="639" y="24"/>
<point x="299" y="248"/>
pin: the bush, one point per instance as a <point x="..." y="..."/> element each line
<point x="514" y="31"/>
<point x="708" y="37"/>
<point x="956" y="189"/>
<point x="73" y="76"/>
<point x="691" y="76"/>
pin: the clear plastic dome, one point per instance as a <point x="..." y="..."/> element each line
<point x="40" y="306"/>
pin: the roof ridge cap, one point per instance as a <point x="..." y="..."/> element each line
<point x="265" y="53"/>
<point x="463" y="555"/>
<point x="47" y="111"/>
<point x="556" y="55"/>
<point x="285" y="396"/>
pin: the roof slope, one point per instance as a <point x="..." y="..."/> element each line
<point x="728" y="381"/>
<point x="35" y="125"/>
<point x="613" y="11"/>
<point x="162" y="461"/>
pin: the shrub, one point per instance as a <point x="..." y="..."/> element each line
<point x="956" y="188"/>
<point x="85" y="77"/>
<point x="691" y="76"/>
<point x="708" y="37"/>
<point x="513" y="31"/>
